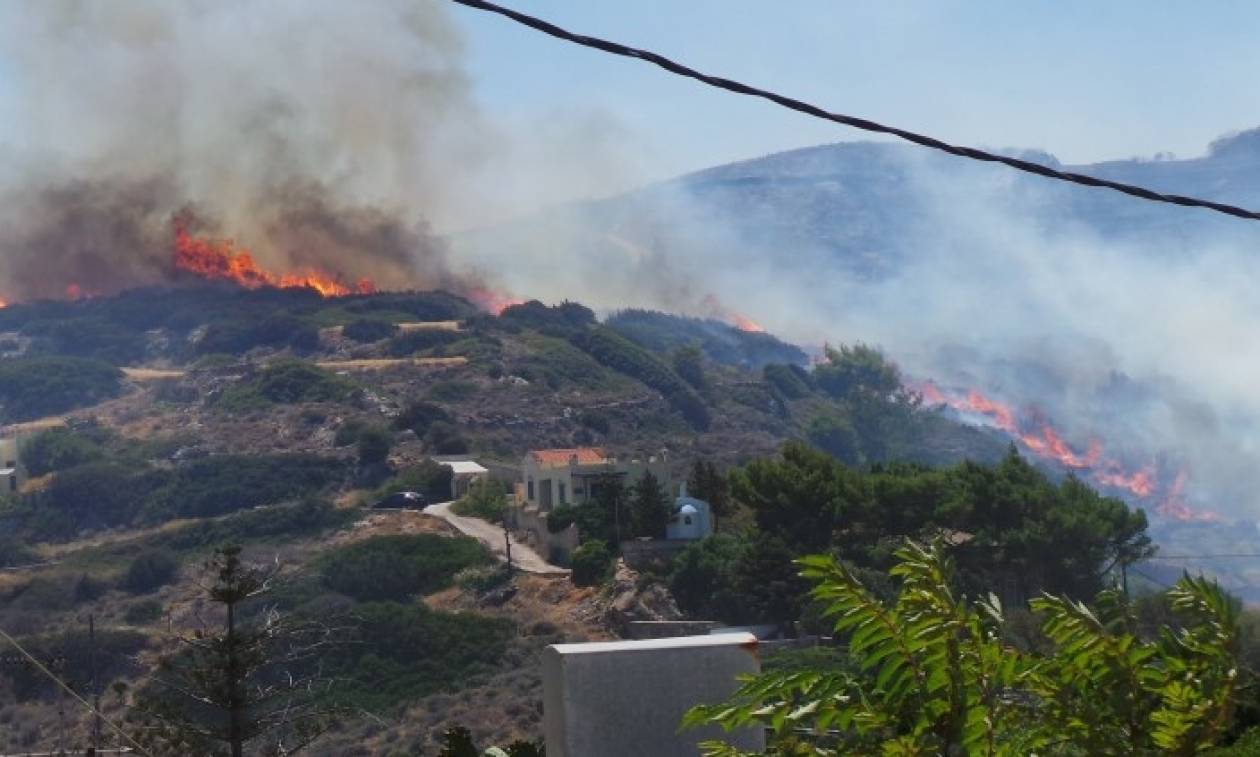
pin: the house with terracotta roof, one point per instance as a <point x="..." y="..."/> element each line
<point x="573" y="476"/>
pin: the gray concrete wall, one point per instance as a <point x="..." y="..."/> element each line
<point x="627" y="698"/>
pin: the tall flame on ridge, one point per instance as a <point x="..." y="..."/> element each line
<point x="222" y="260"/>
<point x="1044" y="441"/>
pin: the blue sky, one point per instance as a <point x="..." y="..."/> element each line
<point x="1085" y="80"/>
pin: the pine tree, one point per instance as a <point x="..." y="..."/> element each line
<point x="252" y="682"/>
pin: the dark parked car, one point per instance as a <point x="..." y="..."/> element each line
<point x="408" y="500"/>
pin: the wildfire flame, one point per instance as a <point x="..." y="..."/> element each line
<point x="492" y="301"/>
<point x="221" y="260"/>
<point x="744" y="323"/>
<point x="1044" y="441"/>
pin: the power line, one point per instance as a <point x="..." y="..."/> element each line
<point x="66" y="687"/>
<point x="858" y="123"/>
<point x="1155" y="581"/>
<point x="1227" y="556"/>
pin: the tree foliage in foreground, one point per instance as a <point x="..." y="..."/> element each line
<point x="932" y="674"/>
<point x="254" y="683"/>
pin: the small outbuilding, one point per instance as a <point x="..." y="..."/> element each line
<point x="692" y="519"/>
<point x="463" y="474"/>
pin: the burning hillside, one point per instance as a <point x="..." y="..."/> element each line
<point x="1150" y="484"/>
<point x="221" y="260"/>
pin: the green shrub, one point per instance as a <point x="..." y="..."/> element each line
<point x="419" y="340"/>
<point x="348" y="432"/>
<point x="14" y="552"/>
<point x="115" y="653"/>
<point x="596" y="421"/>
<point x="57" y="449"/>
<point x="276" y="331"/>
<point x="620" y="354"/>
<point x="369" y="330"/>
<point x="149" y="572"/>
<point x="32" y="387"/>
<point x="720" y="342"/>
<point x="143" y="613"/>
<point x="689" y="364"/>
<point x="444" y="439"/>
<point x="89" y="337"/>
<point x="398" y="567"/>
<point x="591" y="563"/>
<point x="790" y="381"/>
<point x="483" y="578"/>
<point x="225" y="483"/>
<point x="453" y="390"/>
<point x="285" y="382"/>
<point x="374" y="445"/>
<point x="408" y="651"/>
<point x="558" y="320"/>
<point x="561" y="518"/>
<point x="485" y="499"/>
<point x="418" y="416"/>
<point x="306" y="517"/>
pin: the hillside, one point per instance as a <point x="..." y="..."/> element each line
<point x="160" y="424"/>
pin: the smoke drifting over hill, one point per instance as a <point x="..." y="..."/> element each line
<point x="315" y="134"/>
<point x="330" y="135"/>
<point x="1116" y="323"/>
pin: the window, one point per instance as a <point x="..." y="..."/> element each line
<point x="686" y="520"/>
<point x="562" y="492"/>
<point x="529" y="494"/>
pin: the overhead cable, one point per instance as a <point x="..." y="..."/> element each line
<point x="34" y="661"/>
<point x="801" y="106"/>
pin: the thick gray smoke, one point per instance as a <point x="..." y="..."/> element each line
<point x="312" y="133"/>
<point x="1109" y="318"/>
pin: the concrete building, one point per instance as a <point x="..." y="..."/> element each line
<point x="627" y="698"/>
<point x="555" y="477"/>
<point x="463" y="474"/>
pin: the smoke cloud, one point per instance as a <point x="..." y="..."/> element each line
<point x="312" y="133"/>
<point x="1115" y="321"/>
<point x="341" y="135"/>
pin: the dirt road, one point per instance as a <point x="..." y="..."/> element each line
<point x="523" y="557"/>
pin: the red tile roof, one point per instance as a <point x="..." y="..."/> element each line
<point x="584" y="455"/>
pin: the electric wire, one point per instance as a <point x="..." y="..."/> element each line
<point x="67" y="688"/>
<point x="801" y="106"/>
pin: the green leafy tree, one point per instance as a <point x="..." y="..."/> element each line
<point x="859" y="369"/>
<point x="149" y="572"/>
<point x="689" y="364"/>
<point x="650" y="508"/>
<point x="934" y="676"/>
<point x="591" y="563"/>
<point x="374" y="444"/>
<point x="707" y="483"/>
<point x="485" y="499"/>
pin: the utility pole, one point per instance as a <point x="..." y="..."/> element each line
<point x="96" y="688"/>
<point x="59" y="668"/>
<point x="507" y="544"/>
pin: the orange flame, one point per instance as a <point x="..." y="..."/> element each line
<point x="492" y="301"/>
<point x="221" y="260"/>
<point x="1046" y="442"/>
<point x="3" y="303"/>
<point x="1174" y="505"/>
<point x="744" y="323"/>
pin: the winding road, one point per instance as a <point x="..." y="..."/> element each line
<point x="523" y="556"/>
